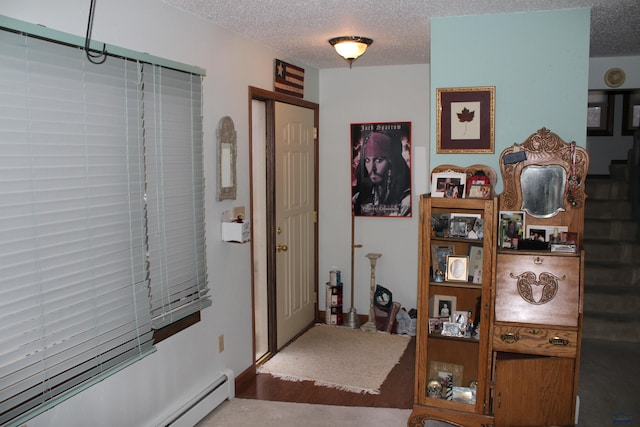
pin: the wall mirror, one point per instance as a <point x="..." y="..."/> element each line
<point x="547" y="183"/>
<point x="543" y="190"/>
<point x="226" y="135"/>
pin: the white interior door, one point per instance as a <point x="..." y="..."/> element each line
<point x="295" y="219"/>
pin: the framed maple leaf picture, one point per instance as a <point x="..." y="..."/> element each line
<point x="465" y="119"/>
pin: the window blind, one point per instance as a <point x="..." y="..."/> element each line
<point x="79" y="244"/>
<point x="175" y="194"/>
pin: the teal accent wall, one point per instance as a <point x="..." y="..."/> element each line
<point x="538" y="63"/>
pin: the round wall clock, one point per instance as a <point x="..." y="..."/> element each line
<point x="614" y="77"/>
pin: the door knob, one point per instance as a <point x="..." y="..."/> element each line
<point x="281" y="247"/>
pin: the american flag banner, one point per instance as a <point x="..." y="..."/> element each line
<point x="289" y="79"/>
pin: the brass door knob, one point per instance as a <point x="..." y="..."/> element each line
<point x="281" y="247"/>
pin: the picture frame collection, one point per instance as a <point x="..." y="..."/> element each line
<point x="515" y="233"/>
<point x="458" y="225"/>
<point x="457" y="185"/>
<point x="448" y="266"/>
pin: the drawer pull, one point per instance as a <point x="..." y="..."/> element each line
<point x="558" y="341"/>
<point x="510" y="337"/>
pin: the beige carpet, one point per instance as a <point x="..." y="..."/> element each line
<point x="263" y="413"/>
<point x="339" y="357"/>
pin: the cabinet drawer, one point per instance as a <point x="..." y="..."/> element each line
<point x="533" y="340"/>
<point x="538" y="289"/>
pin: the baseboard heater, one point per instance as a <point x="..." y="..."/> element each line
<point x="204" y="402"/>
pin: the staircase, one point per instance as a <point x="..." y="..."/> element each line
<point x="612" y="259"/>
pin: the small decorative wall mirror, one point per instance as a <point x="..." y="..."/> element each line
<point x="543" y="189"/>
<point x="226" y="135"/>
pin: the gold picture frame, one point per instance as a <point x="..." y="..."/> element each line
<point x="465" y="119"/>
<point x="457" y="268"/>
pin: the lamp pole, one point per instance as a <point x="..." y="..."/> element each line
<point x="353" y="321"/>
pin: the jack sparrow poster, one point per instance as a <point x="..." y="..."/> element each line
<point x="381" y="169"/>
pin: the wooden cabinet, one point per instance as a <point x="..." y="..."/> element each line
<point x="536" y="339"/>
<point x="538" y="294"/>
<point x="531" y="294"/>
<point x="467" y="358"/>
<point x="533" y="391"/>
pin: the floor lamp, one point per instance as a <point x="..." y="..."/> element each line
<point x="353" y="321"/>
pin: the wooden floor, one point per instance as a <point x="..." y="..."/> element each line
<point x="396" y="391"/>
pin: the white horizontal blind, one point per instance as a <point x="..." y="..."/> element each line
<point x="76" y="263"/>
<point x="175" y="193"/>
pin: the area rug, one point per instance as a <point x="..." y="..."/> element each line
<point x="249" y="412"/>
<point x="339" y="357"/>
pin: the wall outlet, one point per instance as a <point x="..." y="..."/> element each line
<point x="220" y="343"/>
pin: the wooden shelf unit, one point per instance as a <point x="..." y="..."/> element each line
<point x="469" y="354"/>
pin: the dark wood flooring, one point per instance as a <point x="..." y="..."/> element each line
<point x="396" y="391"/>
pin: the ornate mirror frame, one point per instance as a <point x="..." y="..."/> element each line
<point x="545" y="148"/>
<point x="227" y="152"/>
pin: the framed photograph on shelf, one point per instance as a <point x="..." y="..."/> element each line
<point x="465" y="119"/>
<point x="457" y="268"/>
<point x="439" y="254"/>
<point x="442" y="305"/>
<point x="511" y="226"/>
<point x="448" y="184"/>
<point x="475" y="264"/>
<point x="458" y="227"/>
<point x="440" y="224"/>
<point x="477" y="191"/>
<point x="451" y="329"/>
<point x="460" y="317"/>
<point x="465" y="225"/>
<point x="477" y="232"/>
<point x="456" y="371"/>
<point x="436" y="324"/>
<point x="544" y="232"/>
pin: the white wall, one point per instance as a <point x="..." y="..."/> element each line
<point x="604" y="149"/>
<point x="599" y="66"/>
<point x="145" y="392"/>
<point x="363" y="95"/>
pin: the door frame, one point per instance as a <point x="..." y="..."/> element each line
<point x="270" y="98"/>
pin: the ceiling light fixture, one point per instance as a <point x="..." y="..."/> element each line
<point x="350" y="47"/>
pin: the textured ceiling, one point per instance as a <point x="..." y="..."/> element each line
<point x="400" y="28"/>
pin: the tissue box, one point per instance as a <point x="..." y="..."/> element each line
<point x="238" y="232"/>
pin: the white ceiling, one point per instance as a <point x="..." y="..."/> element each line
<point x="400" y="28"/>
